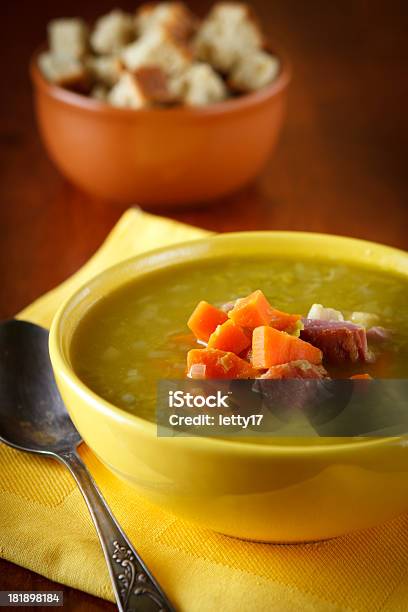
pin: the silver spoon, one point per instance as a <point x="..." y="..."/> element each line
<point x="33" y="418"/>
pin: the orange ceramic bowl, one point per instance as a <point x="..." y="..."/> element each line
<point x="158" y="157"/>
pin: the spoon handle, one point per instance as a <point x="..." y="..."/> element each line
<point x="134" y="586"/>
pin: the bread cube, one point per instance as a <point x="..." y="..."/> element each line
<point x="253" y="71"/>
<point x="64" y="71"/>
<point x="199" y="85"/>
<point x="142" y="88"/>
<point x="68" y="37"/>
<point x="105" y="69"/>
<point x="112" y="32"/>
<point x="174" y="17"/>
<point x="158" y="48"/>
<point x="126" y="93"/>
<point x="154" y="83"/>
<point x="229" y="32"/>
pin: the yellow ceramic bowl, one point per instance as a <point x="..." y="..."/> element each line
<point x="292" y="491"/>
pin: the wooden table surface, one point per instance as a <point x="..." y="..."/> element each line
<point x="340" y="166"/>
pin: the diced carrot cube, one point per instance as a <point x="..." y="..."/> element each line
<point x="273" y="347"/>
<point x="283" y="321"/>
<point x="361" y="377"/>
<point x="218" y="364"/>
<point x="229" y="337"/>
<point x="204" y="320"/>
<point x="252" y="311"/>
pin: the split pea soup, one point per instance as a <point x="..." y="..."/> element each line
<point x="137" y="335"/>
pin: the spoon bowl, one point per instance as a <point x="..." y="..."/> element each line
<point x="33" y="416"/>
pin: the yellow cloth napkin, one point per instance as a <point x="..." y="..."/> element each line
<point x="45" y="526"/>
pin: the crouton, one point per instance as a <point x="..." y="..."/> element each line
<point x="112" y="32"/>
<point x="126" y="93"/>
<point x="141" y="88"/>
<point x="64" y="71"/>
<point x="105" y="69"/>
<point x="229" y="32"/>
<point x="253" y="71"/>
<point x="157" y="48"/>
<point x="199" y="85"/>
<point x="154" y="84"/>
<point x="68" y="37"/>
<point x="174" y="17"/>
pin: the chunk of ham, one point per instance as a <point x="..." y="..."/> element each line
<point x="296" y="385"/>
<point x="340" y="341"/>
<point x="295" y="369"/>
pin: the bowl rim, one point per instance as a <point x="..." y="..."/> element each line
<point x="86" y="103"/>
<point x="61" y="363"/>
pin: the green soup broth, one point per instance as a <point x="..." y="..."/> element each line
<point x="134" y="337"/>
